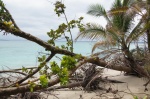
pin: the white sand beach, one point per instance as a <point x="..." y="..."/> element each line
<point x="132" y="86"/>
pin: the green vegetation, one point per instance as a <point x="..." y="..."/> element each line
<point x="43" y="80"/>
<point x="116" y="38"/>
<point x="135" y="97"/>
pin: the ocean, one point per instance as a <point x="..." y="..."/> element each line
<point x="16" y="54"/>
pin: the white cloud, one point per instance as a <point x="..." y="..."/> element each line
<point x="37" y="16"/>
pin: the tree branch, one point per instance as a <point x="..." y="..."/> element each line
<point x="34" y="72"/>
<point x="11" y="18"/>
<point x="32" y="38"/>
<point x="22" y="89"/>
<point x="9" y="71"/>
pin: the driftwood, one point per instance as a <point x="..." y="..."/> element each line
<point x="93" y="79"/>
<point x="26" y="88"/>
<point x="89" y="82"/>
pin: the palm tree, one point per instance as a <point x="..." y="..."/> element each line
<point x="146" y="18"/>
<point x="144" y="5"/>
<point x="119" y="31"/>
<point x="142" y="8"/>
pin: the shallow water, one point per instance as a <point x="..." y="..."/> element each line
<point x="14" y="54"/>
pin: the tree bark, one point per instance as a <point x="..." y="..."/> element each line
<point x="23" y="89"/>
<point x="32" y="38"/>
<point x="148" y="22"/>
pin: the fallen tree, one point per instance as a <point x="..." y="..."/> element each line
<point x="62" y="73"/>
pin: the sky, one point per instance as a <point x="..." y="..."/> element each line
<point x="37" y="17"/>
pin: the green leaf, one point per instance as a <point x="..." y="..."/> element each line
<point x="31" y="89"/>
<point x="68" y="62"/>
<point x="32" y="85"/>
<point x="30" y="71"/>
<point x="64" y="76"/>
<point x="41" y="59"/>
<point x="43" y="80"/>
<point x="78" y="56"/>
<point x="135" y="97"/>
<point x="145" y="97"/>
<point x="54" y="67"/>
<point x="24" y="70"/>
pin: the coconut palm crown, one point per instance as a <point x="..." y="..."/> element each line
<point x="120" y="29"/>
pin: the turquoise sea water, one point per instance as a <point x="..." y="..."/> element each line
<point x="15" y="54"/>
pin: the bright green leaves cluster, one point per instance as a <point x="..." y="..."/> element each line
<point x="77" y="24"/>
<point x="45" y="75"/>
<point x="44" y="80"/>
<point x="135" y="97"/>
<point x="68" y="45"/>
<point x="8" y="24"/>
<point x="59" y="8"/>
<point x="29" y="71"/>
<point x="42" y="61"/>
<point x="64" y="76"/>
<point x="24" y="70"/>
<point x="31" y="86"/>
<point x="68" y="62"/>
<point x="62" y="29"/>
<point x="62" y="71"/>
<point x="55" y="34"/>
<point x="43" y="64"/>
<point x="54" y="67"/>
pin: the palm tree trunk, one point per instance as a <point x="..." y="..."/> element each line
<point x="126" y="52"/>
<point x="148" y="40"/>
<point x="135" y="67"/>
<point x="147" y="20"/>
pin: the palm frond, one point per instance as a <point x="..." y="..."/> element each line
<point x="117" y="11"/>
<point x="127" y="8"/>
<point x="96" y="10"/>
<point x="128" y="2"/>
<point x="118" y="15"/>
<point x="139" y="32"/>
<point x="107" y="44"/>
<point x="93" y="31"/>
<point x="114" y="32"/>
<point x="105" y="54"/>
<point x="134" y="33"/>
<point x="118" y="7"/>
<point x="136" y="7"/>
<point x="117" y="4"/>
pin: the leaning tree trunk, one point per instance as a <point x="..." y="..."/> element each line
<point x="147" y="23"/>
<point x="136" y="68"/>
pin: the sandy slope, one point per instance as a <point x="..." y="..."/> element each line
<point x="133" y="85"/>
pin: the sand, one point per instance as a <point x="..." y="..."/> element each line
<point x="133" y="86"/>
